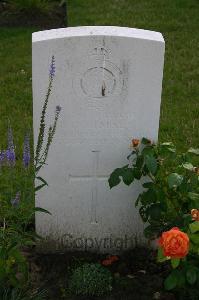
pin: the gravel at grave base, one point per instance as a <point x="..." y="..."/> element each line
<point x="136" y="275"/>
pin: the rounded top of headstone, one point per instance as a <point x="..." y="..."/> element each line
<point x="97" y="31"/>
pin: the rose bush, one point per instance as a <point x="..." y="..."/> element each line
<point x="168" y="204"/>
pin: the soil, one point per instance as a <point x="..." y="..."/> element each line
<point x="136" y="275"/>
<point x="55" y="18"/>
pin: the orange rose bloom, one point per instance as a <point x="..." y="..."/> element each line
<point x="175" y="243"/>
<point x="195" y="214"/>
<point x="135" y="142"/>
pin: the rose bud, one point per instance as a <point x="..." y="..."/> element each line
<point x="106" y="262"/>
<point x="113" y="258"/>
<point x="195" y="214"/>
<point x="135" y="142"/>
<point x="196" y="170"/>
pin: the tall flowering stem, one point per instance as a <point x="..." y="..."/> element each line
<point x="10" y="153"/>
<point x="26" y="151"/>
<point x="52" y="68"/>
<point x="51" y="133"/>
<point x="42" y="120"/>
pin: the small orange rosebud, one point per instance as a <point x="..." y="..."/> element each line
<point x="196" y="170"/>
<point x="195" y="214"/>
<point x="110" y="260"/>
<point x="106" y="262"/>
<point x="135" y="142"/>
<point x="174" y="243"/>
<point x="113" y="258"/>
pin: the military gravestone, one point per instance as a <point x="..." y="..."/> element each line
<point x="108" y="83"/>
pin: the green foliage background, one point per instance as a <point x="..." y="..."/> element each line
<point x="178" y="20"/>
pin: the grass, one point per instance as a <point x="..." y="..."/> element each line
<point x="15" y="83"/>
<point x="178" y="20"/>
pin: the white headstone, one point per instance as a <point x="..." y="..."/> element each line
<point x="108" y="83"/>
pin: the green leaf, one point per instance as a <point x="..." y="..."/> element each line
<point x="129" y="156"/>
<point x="188" y="166"/>
<point x="38" y="168"/>
<point x="128" y="176"/>
<point x="161" y="257"/>
<point x="39" y="187"/>
<point x="148" y="197"/>
<point x="139" y="162"/>
<point x="173" y="150"/>
<point x="193" y="196"/>
<point x="149" y="150"/>
<point x="175" y="262"/>
<point x="42" y="180"/>
<point x="194" y="227"/>
<point x="137" y="201"/>
<point x="114" y="178"/>
<point x="194" y="151"/>
<point x="174" y="180"/>
<point x="171" y="281"/>
<point x="167" y="144"/>
<point x="181" y="279"/>
<point x="150" y="232"/>
<point x="148" y="185"/>
<point x="137" y="173"/>
<point x="154" y="211"/>
<point x="145" y="141"/>
<point x="151" y="164"/>
<point x="191" y="275"/>
<point x="194" y="238"/>
<point x="143" y="213"/>
<point x="17" y="255"/>
<point x="187" y="219"/>
<point x="167" y="147"/>
<point x="193" y="248"/>
<point x="29" y="243"/>
<point x="39" y="209"/>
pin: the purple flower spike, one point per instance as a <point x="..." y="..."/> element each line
<point x="10" y="152"/>
<point x="52" y="68"/>
<point x="26" y="151"/>
<point x="10" y="156"/>
<point x="16" y="200"/>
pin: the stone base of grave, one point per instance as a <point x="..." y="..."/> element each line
<point x="47" y="246"/>
<point x="86" y="244"/>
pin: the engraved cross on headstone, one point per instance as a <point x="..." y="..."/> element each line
<point x="95" y="177"/>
